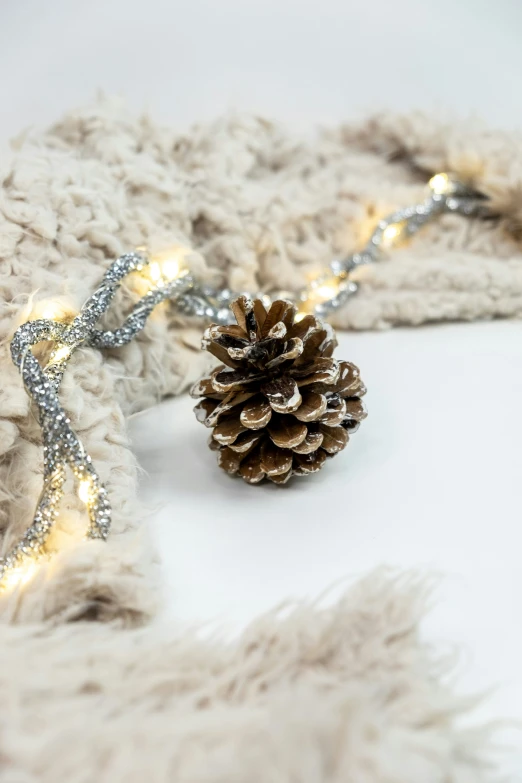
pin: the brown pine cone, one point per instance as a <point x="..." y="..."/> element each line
<point x="282" y="405"/>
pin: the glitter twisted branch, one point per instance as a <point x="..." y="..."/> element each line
<point x="62" y="448"/>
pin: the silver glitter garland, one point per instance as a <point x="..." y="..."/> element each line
<point x="63" y="449"/>
<point x="448" y="194"/>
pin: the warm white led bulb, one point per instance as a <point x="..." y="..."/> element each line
<point x="167" y="266"/>
<point x="440" y="183"/>
<point x="324" y="292"/>
<point x="60" y="354"/>
<point x="154" y="271"/>
<point x="52" y="311"/>
<point x="171" y="268"/>
<point x="390" y="233"/>
<point x="20" y="575"/>
<point x="84" y="490"/>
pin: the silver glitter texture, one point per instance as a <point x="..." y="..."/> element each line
<point x="62" y="448"/>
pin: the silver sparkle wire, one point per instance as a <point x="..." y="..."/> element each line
<point x="63" y="449"/>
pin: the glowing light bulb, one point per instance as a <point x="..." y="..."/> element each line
<point x="319" y="291"/>
<point x="440" y="183"/>
<point x="171" y="268"/>
<point x="84" y="490"/>
<point x="324" y="287"/>
<point x="324" y="292"/>
<point x="19" y="576"/>
<point x="60" y="354"/>
<point x="167" y="266"/>
<point x="390" y="234"/>
<point x="154" y="272"/>
<point x="52" y="311"/>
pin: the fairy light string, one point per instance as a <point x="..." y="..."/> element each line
<point x="62" y="448"/>
<point x="167" y="277"/>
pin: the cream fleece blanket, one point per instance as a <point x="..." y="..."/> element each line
<point x="262" y="208"/>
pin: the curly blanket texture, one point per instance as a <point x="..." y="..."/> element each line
<point x="345" y="694"/>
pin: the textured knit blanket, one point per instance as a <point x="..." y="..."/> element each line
<point x="262" y="208"/>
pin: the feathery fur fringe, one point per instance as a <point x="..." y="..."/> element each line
<point x="345" y="694"/>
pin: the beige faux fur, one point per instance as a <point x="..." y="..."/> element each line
<point x="347" y="694"/>
<point x="340" y="695"/>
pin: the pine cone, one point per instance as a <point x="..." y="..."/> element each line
<point x="282" y="405"/>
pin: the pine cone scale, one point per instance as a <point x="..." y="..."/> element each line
<point x="294" y="348"/>
<point x="280" y="312"/>
<point x="287" y="432"/>
<point x="256" y="413"/>
<point x="334" y="438"/>
<point x="279" y="405"/>
<point x="355" y="409"/>
<point x="312" y="407"/>
<point x="324" y="371"/>
<point x="275" y="461"/>
<point x="250" y="468"/>
<point x="335" y="410"/>
<point x="229" y="460"/>
<point x="226" y="380"/>
<point x="245" y="441"/>
<point x="313" y="440"/>
<point x="228" y="430"/>
<point x="282" y="394"/>
<point x="309" y="463"/>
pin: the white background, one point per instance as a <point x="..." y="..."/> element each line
<point x="304" y="61"/>
<point x="431" y="480"/>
